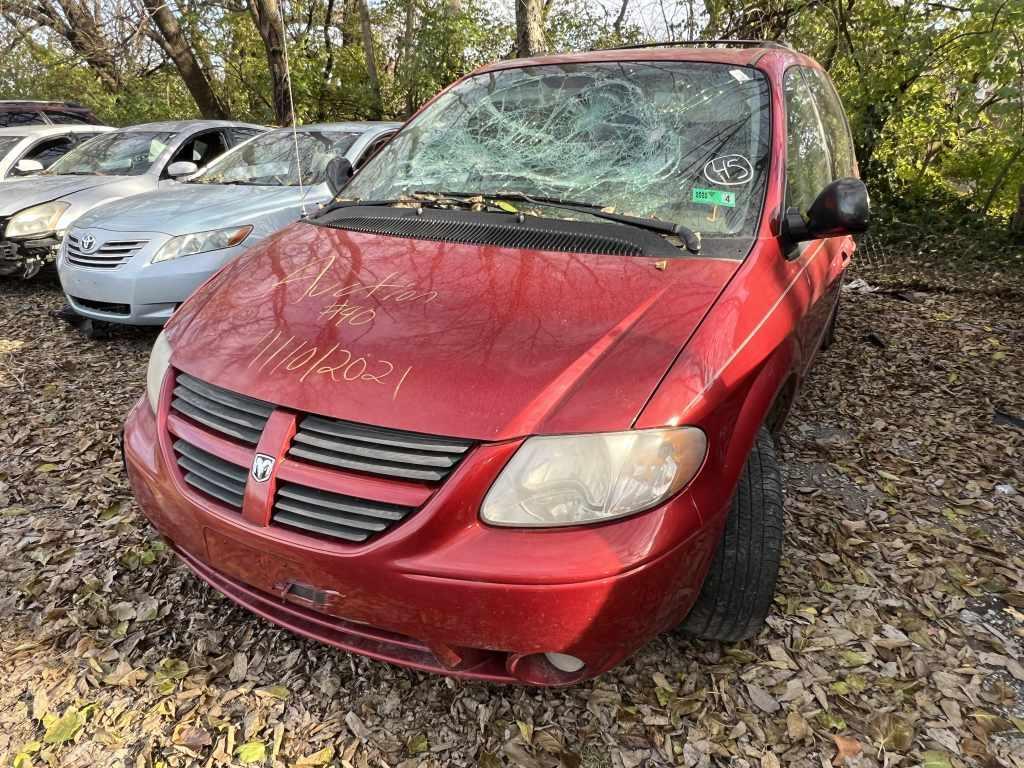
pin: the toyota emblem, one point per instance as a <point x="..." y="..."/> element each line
<point x="87" y="243"/>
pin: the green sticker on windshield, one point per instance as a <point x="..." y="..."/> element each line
<point x="713" y="197"/>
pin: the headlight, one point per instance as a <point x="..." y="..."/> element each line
<point x="159" y="362"/>
<point x="37" y="220"/>
<point x="578" y="479"/>
<point x="201" y="242"/>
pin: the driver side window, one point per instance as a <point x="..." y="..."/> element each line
<point x="201" y="149"/>
<point x="808" y="164"/>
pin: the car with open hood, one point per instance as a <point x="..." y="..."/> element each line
<point x="34" y="148"/>
<point x="504" y="409"/>
<point x="35" y="211"/>
<point x="134" y="260"/>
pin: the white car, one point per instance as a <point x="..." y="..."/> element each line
<point x="29" y="149"/>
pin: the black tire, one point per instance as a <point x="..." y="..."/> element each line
<point x="833" y="324"/>
<point x="738" y="590"/>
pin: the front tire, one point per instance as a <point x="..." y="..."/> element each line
<point x="740" y="585"/>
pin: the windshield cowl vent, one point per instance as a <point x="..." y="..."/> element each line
<point x="483" y="229"/>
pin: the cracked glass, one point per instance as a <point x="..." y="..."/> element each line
<point x="685" y="142"/>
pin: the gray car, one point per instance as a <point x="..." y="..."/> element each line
<point x="35" y="211"/>
<point x="135" y="260"/>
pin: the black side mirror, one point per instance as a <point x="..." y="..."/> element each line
<point x="339" y="171"/>
<point x="842" y="208"/>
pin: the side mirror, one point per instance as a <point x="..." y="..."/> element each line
<point x="842" y="208"/>
<point x="27" y="166"/>
<point x="181" y="168"/>
<point x="339" y="170"/>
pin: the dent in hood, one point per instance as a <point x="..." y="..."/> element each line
<point x="18" y="194"/>
<point x="478" y="342"/>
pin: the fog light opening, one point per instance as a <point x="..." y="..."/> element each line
<point x="563" y="662"/>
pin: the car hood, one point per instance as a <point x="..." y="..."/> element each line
<point x="471" y="341"/>
<point x="189" y="208"/>
<point x="18" y="194"/>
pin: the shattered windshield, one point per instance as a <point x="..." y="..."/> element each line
<point x="122" y="153"/>
<point x="685" y="142"/>
<point x="269" y="160"/>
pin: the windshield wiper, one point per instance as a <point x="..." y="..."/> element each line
<point x="689" y="237"/>
<point x="431" y="199"/>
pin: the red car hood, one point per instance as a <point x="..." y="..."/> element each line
<point x="462" y="340"/>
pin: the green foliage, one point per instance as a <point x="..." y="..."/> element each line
<point x="935" y="91"/>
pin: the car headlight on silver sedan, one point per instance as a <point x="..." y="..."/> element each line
<point x="581" y="479"/>
<point x="37" y="220"/>
<point x="159" y="363"/>
<point x="202" y="242"/>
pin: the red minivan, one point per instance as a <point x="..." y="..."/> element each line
<point x="504" y="408"/>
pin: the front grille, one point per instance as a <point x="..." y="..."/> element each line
<point x="215" y="477"/>
<point x="333" y="514"/>
<point x="378" y="451"/>
<point x="479" y="233"/>
<point x="103" y="306"/>
<point x="223" y="411"/>
<point x="109" y="255"/>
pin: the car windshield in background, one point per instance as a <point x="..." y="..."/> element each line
<point x="685" y="142"/>
<point x="7" y="143"/>
<point x="269" y="160"/>
<point x="128" y="153"/>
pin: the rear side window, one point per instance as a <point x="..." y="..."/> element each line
<point x="65" y="118"/>
<point x="833" y="119"/>
<point x="13" y="119"/>
<point x="808" y="164"/>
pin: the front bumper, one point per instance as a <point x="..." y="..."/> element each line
<point x="442" y="591"/>
<point x="138" y="292"/>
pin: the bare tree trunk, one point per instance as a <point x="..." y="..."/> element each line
<point x="406" y="58"/>
<point x="529" y="28"/>
<point x="76" y="23"/>
<point x="1017" y="220"/>
<point x="267" y="14"/>
<point x="325" y="79"/>
<point x="617" y="26"/>
<point x="1001" y="179"/>
<point x="377" y="109"/>
<point x="169" y="37"/>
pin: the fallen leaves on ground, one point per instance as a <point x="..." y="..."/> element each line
<point x="897" y="637"/>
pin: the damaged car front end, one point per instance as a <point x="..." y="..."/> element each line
<point x="30" y="238"/>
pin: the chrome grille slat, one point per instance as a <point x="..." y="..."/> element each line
<point x="109" y="255"/>
<point x="379" y="451"/>
<point x="327" y="529"/>
<point x="393" y="437"/>
<point x="234" y="415"/>
<point x="213" y="476"/>
<point x="216" y="423"/>
<point x="239" y="402"/>
<point x="372" y="467"/>
<point x="366" y="450"/>
<point x="328" y="500"/>
<point x="226" y="412"/>
<point x="333" y="514"/>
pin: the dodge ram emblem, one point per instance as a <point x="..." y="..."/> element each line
<point x="87" y="243"/>
<point x="262" y="466"/>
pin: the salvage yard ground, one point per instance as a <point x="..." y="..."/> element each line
<point x="897" y="636"/>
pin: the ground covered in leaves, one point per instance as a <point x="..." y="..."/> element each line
<point x="897" y="636"/>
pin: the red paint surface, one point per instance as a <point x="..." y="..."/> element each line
<point x="494" y="345"/>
